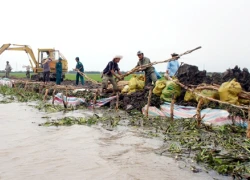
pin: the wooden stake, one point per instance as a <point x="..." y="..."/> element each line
<point x="117" y="101"/>
<point x="53" y="96"/>
<point x="64" y="104"/>
<point x="149" y="100"/>
<point x="172" y="108"/>
<point x="198" y="112"/>
<point x="45" y="95"/>
<point x="25" y="85"/>
<point x="248" y="124"/>
<point x="66" y="95"/>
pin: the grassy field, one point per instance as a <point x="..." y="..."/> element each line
<point x="96" y="77"/>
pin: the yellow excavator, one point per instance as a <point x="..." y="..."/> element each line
<point x="37" y="64"/>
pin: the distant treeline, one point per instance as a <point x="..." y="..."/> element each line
<point x="95" y="72"/>
<point x="73" y="72"/>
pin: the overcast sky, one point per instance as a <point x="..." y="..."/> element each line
<point x="97" y="30"/>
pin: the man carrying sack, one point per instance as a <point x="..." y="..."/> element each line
<point x="109" y="73"/>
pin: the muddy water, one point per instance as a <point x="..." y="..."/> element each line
<point x="31" y="152"/>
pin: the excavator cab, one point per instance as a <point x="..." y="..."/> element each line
<point x="43" y="54"/>
<point x="36" y="64"/>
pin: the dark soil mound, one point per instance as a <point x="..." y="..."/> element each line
<point x="138" y="100"/>
<point x="242" y="76"/>
<point x="190" y="75"/>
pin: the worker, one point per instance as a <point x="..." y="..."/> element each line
<point x="27" y="71"/>
<point x="79" y="67"/>
<point x="59" y="71"/>
<point x="173" y="66"/>
<point x="46" y="70"/>
<point x="150" y="75"/>
<point x="109" y="73"/>
<point x="158" y="75"/>
<point x="8" y="69"/>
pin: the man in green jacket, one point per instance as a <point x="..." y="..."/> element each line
<point x="59" y="71"/>
<point x="79" y="67"/>
<point x="150" y="75"/>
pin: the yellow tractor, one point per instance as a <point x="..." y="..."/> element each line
<point x="37" y="64"/>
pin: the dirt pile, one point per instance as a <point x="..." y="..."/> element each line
<point x="138" y="100"/>
<point x="190" y="75"/>
<point x="242" y="76"/>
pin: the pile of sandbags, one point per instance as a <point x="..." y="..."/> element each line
<point x="227" y="92"/>
<point x="166" y="90"/>
<point x="134" y="84"/>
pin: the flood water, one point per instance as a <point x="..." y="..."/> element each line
<point x="32" y="152"/>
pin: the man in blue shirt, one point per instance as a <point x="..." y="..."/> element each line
<point x="79" y="67"/>
<point x="173" y="66"/>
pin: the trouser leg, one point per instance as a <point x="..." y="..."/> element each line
<point x="113" y="82"/>
<point x="44" y="76"/>
<point x="105" y="80"/>
<point x="47" y="78"/>
<point x="148" y="81"/>
<point x="58" y="78"/>
<point x="82" y="79"/>
<point x="77" y="78"/>
<point x="153" y="77"/>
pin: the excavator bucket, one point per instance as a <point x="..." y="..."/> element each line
<point x="4" y="47"/>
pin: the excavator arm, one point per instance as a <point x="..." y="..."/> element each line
<point x="15" y="47"/>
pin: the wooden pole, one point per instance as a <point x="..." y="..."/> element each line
<point x="53" y="97"/>
<point x="88" y="78"/>
<point x="25" y="85"/>
<point x="45" y="95"/>
<point x="248" y="124"/>
<point x="204" y="97"/>
<point x="64" y="104"/>
<point x="198" y="112"/>
<point x="149" y="100"/>
<point x="117" y="101"/>
<point x="66" y="95"/>
<point x="138" y="68"/>
<point x="172" y="108"/>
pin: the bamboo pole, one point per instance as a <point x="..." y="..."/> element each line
<point x="172" y="108"/>
<point x="25" y="85"/>
<point x="149" y="100"/>
<point x="198" y="112"/>
<point x="88" y="78"/>
<point x="53" y="97"/>
<point x="243" y="94"/>
<point x="64" y="104"/>
<point x="45" y="94"/>
<point x="66" y="95"/>
<point x="117" y="101"/>
<point x="204" y="97"/>
<point x="139" y="68"/>
<point x="248" y="124"/>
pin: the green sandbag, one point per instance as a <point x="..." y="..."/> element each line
<point x="170" y="89"/>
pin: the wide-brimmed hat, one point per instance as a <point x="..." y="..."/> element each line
<point x="118" y="57"/>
